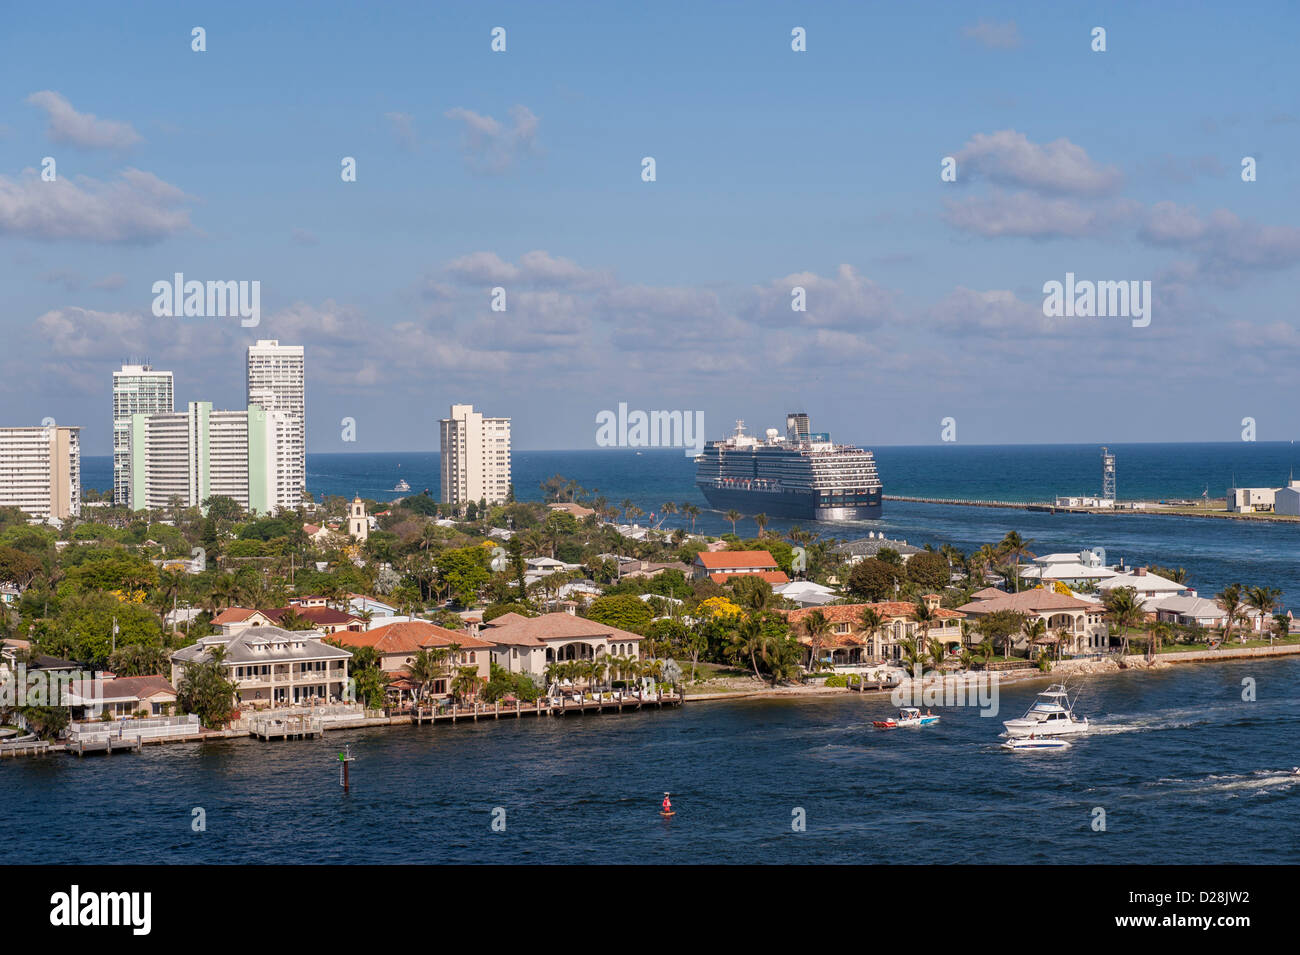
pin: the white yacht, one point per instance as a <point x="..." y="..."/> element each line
<point x="1051" y="715"/>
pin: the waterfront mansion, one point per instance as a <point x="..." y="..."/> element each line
<point x="272" y="667"/>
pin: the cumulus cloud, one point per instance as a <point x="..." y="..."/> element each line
<point x="994" y="35"/>
<point x="84" y="130"/>
<point x="846" y="300"/>
<point x="488" y="145"/>
<point x="137" y="206"/>
<point x="1060" y="167"/>
<point x="1026" y="215"/>
<point x="1226" y="247"/>
<point x="537" y="268"/>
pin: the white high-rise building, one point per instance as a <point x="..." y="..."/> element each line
<point x="40" y="471"/>
<point x="190" y="456"/>
<point x="277" y="383"/>
<point x="137" y="389"/>
<point x="475" y="457"/>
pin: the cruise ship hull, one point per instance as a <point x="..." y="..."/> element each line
<point x="807" y="506"/>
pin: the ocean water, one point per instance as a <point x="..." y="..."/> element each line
<point x="1215" y="552"/>
<point x="1184" y="770"/>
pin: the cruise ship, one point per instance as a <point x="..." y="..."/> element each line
<point x="800" y="474"/>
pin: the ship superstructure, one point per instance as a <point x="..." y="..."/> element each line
<point x="802" y="474"/>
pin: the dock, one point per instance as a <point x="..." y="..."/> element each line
<point x="270" y="727"/>
<point x="542" y="707"/>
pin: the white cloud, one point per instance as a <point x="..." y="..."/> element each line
<point x="489" y="145"/>
<point x="85" y="130"/>
<point x="137" y="206"/>
<point x="1060" y="167"/>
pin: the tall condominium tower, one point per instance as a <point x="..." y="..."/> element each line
<point x="137" y="389"/>
<point x="277" y="384"/>
<point x="190" y="456"/>
<point x="475" y="457"/>
<point x="40" y="471"/>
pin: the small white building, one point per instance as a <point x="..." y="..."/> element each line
<point x="1287" y="499"/>
<point x="1146" y="584"/>
<point x="1249" y="500"/>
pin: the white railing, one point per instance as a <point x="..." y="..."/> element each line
<point x="158" y="727"/>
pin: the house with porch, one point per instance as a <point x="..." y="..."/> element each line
<point x="398" y="643"/>
<point x="1083" y="622"/>
<point x="271" y="667"/>
<point x="528" y="644"/>
<point x="849" y="643"/>
<point x="121" y="698"/>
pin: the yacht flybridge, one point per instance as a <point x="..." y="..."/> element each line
<point x="1051" y="715"/>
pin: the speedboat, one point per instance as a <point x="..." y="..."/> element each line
<point x="1051" y="715"/>
<point x="907" y="716"/>
<point x="402" y="485"/>
<point x="1035" y="742"/>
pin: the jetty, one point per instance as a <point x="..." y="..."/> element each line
<point x="1122" y="508"/>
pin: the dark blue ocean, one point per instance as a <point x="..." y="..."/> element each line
<point x="1184" y="770"/>
<point x="1215" y="552"/>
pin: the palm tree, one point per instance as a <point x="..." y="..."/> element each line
<point x="1035" y="629"/>
<point x="424" y="669"/>
<point x="750" y="641"/>
<point x="1230" y="599"/>
<point x="1015" y="548"/>
<point x="1124" y="611"/>
<point x="668" y="509"/>
<point x="1157" y="633"/>
<point x="691" y="511"/>
<point x="817" y="626"/>
<point x="1264" y="601"/>
<point x="465" y="685"/>
<point x="936" y="655"/>
<point x="1281" y="628"/>
<point x="733" y="515"/>
<point x="873" y="623"/>
<point x="761" y="521"/>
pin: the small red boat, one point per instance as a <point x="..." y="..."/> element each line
<point x="907" y="716"/>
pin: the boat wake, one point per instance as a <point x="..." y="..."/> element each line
<point x="1261" y="782"/>
<point x="1174" y="719"/>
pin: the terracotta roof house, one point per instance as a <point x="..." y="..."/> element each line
<point x="528" y="644"/>
<point x="726" y="563"/>
<point x="848" y="643"/>
<point x="1082" y="621"/>
<point x="121" y="697"/>
<point x="272" y="667"/>
<point x="398" y="643"/>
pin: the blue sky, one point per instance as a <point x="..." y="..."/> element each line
<point x="774" y="168"/>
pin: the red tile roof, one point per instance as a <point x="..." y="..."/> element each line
<point x="852" y="613"/>
<point x="515" y="630"/>
<point x="732" y="559"/>
<point x="1031" y="601"/>
<point x="410" y="636"/>
<point x="771" y="576"/>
